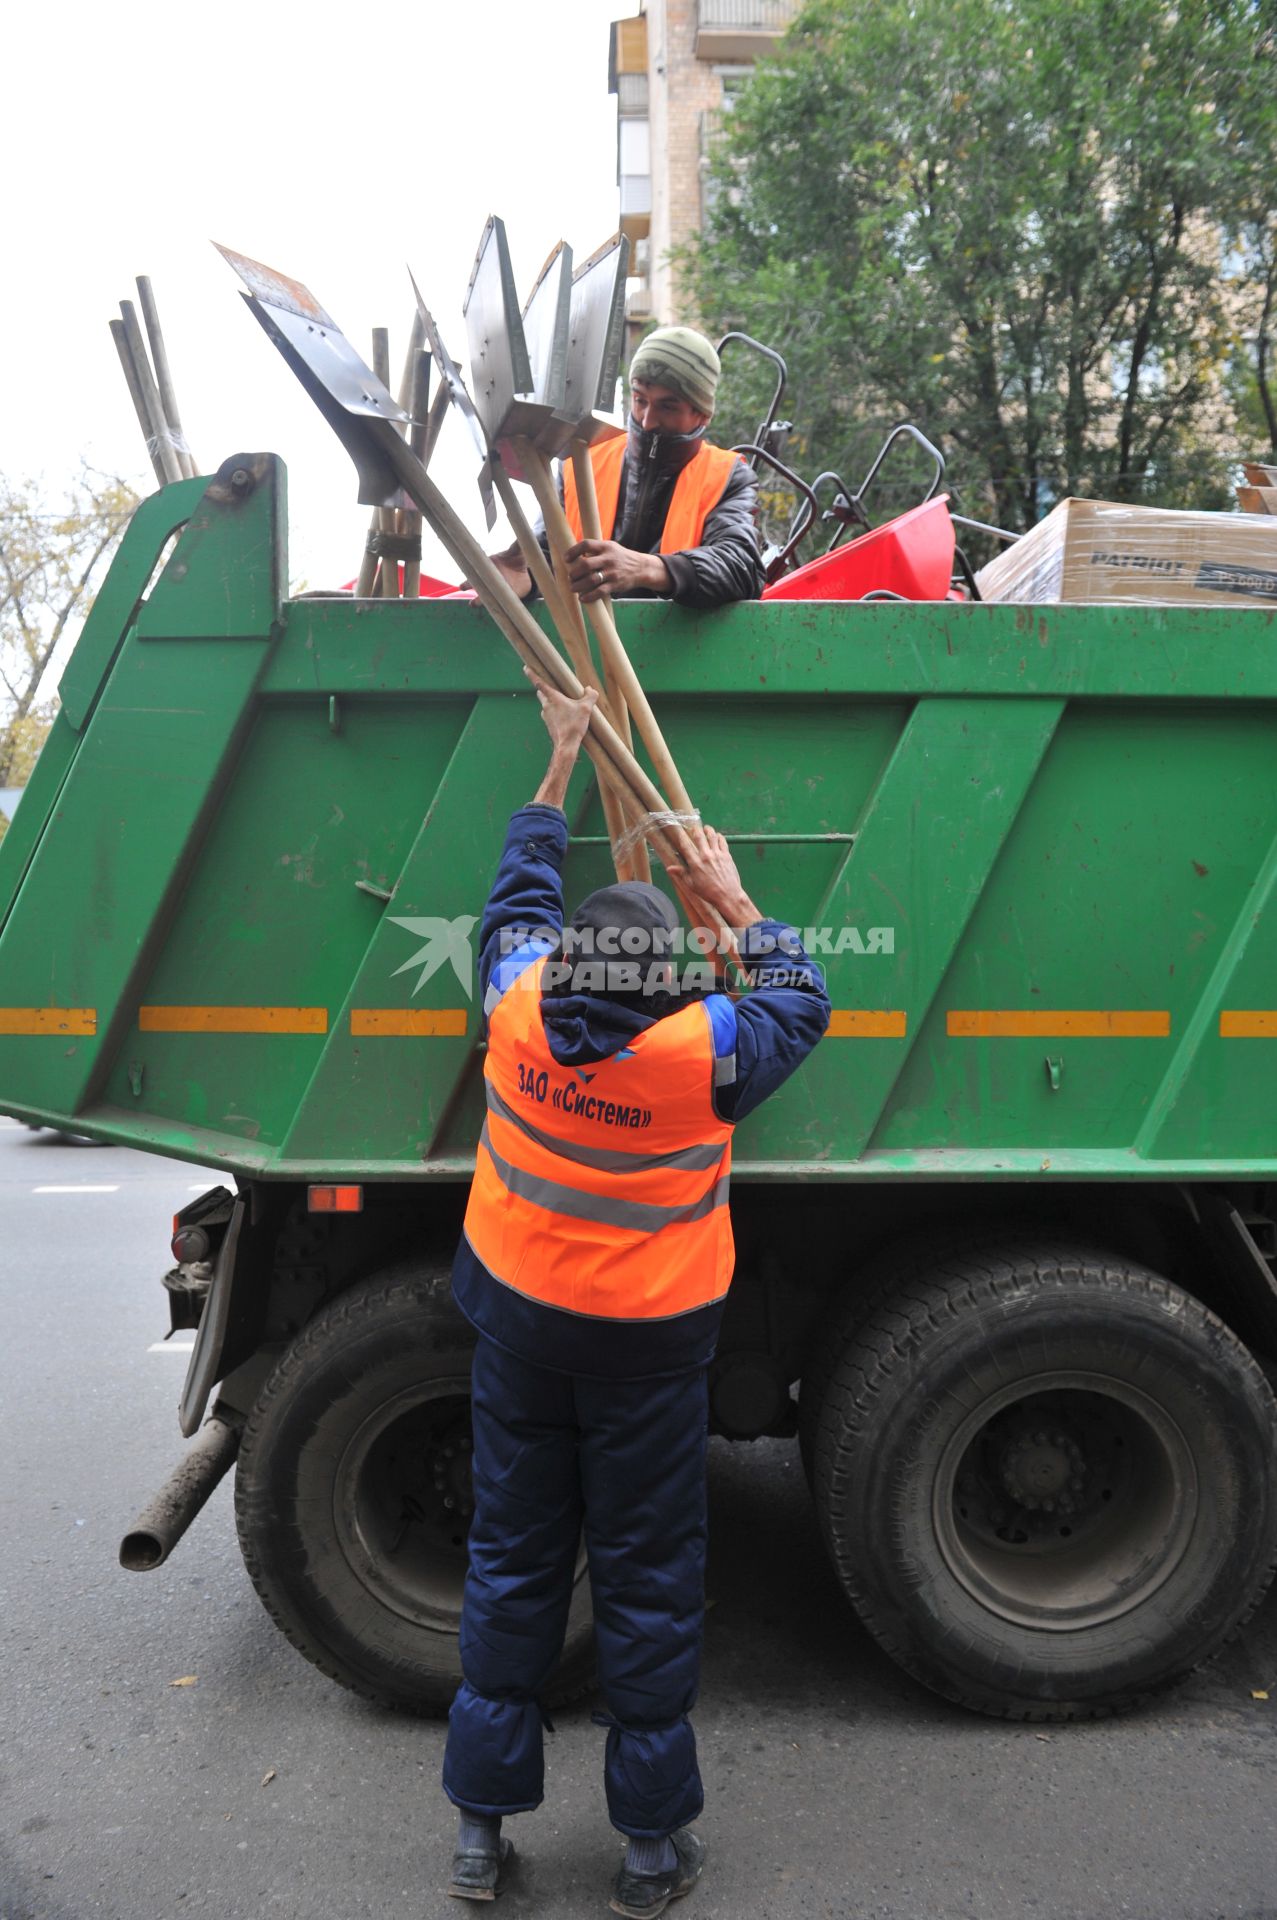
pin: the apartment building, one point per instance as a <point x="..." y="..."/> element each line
<point x="673" y="67"/>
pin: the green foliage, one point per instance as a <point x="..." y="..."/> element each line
<point x="1002" y="220"/>
<point x="51" y="554"/>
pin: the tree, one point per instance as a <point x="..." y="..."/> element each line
<point x="1001" y="219"/>
<point x="1252" y="254"/>
<point x="50" y="559"/>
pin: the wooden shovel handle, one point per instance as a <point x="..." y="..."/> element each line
<point x="566" y="612"/>
<point x="616" y="662"/>
<point x="583" y="468"/>
<point x="624" y="688"/>
<point x="539" y="567"/>
<point x="571" y="629"/>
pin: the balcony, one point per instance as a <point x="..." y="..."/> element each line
<point x="634" y="175"/>
<point x="740" y="30"/>
<point x="636" y="196"/>
<point x="631" y="93"/>
<point x="636" y="205"/>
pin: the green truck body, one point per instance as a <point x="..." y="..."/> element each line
<point x="1034" y="848"/>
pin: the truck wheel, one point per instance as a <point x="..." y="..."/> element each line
<point x="1046" y="1481"/>
<point x="352" y="1495"/>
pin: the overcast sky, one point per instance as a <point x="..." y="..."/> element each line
<point x="338" y="144"/>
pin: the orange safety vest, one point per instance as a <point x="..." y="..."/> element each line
<point x="697" y="492"/>
<point x="603" y="1189"/>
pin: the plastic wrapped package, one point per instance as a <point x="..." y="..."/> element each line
<point x="1099" y="553"/>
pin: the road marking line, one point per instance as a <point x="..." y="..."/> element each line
<point x="232" y="1019"/>
<point x="404" y="1023"/>
<point x="78" y="1189"/>
<point x="172" y="1346"/>
<point x="1060" y="1024"/>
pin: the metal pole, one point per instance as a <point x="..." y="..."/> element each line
<point x="150" y="393"/>
<point x="164" y="378"/>
<point x="121" y="340"/>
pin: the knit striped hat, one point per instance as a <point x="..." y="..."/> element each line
<point x="682" y="360"/>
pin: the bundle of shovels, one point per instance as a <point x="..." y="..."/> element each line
<point x="541" y="376"/>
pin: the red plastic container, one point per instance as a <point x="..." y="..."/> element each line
<point x="911" y="556"/>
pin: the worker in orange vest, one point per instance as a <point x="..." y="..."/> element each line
<point x="596" y="1257"/>
<point x="678" y="513"/>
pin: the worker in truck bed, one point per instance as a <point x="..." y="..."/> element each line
<point x="596" y="1256"/>
<point x="680" y="514"/>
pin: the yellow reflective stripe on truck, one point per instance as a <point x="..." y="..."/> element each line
<point x="1248" y="1024"/>
<point x="865" y="1023"/>
<point x="76" y="1020"/>
<point x="1040" y="1023"/>
<point x="365" y="1022"/>
<point x="407" y="1023"/>
<point x="845" y="1023"/>
<point x="233" y="1019"/>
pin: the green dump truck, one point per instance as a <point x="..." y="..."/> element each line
<point x="1006" y="1243"/>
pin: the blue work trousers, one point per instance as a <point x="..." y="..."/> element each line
<point x="555" y="1455"/>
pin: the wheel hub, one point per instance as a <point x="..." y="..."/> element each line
<point x="403" y="1501"/>
<point x="448" y="1465"/>
<point x="1044" y="1470"/>
<point x="1065" y="1499"/>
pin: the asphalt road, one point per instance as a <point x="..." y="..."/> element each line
<point x="835" y="1786"/>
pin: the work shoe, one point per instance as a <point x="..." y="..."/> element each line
<point x="642" y="1895"/>
<point x="480" y="1874"/>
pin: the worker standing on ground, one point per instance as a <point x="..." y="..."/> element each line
<point x="596" y="1256"/>
<point x="680" y="514"/>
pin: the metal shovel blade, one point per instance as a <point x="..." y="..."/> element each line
<point x="450" y="375"/>
<point x="275" y="289"/>
<point x="345" y="390"/>
<point x="320" y="341"/>
<point x="500" y="369"/>
<point x="596" y="332"/>
<point x="547" y="319"/>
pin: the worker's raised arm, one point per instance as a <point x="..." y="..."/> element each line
<point x="524" y="915"/>
<point x="786" y="1011"/>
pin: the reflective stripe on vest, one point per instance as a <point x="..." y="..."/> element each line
<point x="602" y="1190"/>
<point x="510" y="966"/>
<point x="697" y="491"/>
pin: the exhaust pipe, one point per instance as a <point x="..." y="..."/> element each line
<point x="164" y="1520"/>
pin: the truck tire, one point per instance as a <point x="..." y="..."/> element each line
<point x="883" y="1273"/>
<point x="1045" y="1479"/>
<point x="352" y="1495"/>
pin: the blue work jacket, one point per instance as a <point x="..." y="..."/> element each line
<point x="770" y="1031"/>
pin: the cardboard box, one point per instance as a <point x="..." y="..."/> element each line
<point x="1098" y="553"/>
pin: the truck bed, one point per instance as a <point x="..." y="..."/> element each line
<point x="1035" y="849"/>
